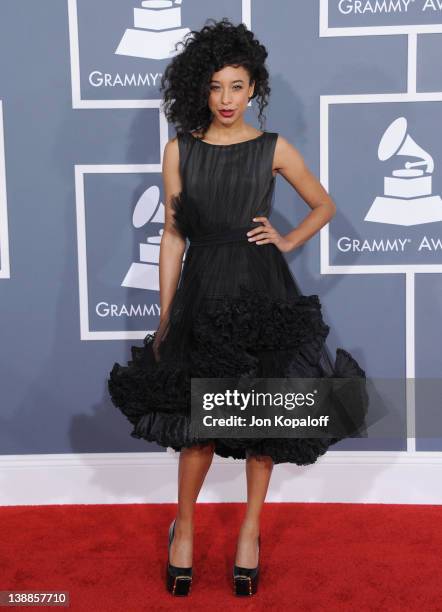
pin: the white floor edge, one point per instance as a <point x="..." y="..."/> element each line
<point x="121" y="478"/>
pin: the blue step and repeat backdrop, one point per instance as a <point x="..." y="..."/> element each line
<point x="356" y="87"/>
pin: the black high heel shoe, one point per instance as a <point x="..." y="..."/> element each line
<point x="179" y="579"/>
<point x="245" y="579"/>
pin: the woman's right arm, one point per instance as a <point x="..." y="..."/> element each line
<point x="172" y="244"/>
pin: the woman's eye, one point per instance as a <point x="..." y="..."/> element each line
<point x="213" y="87"/>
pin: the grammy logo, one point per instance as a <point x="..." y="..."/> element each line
<point x="157" y="28"/>
<point x="144" y="274"/>
<point x="407" y="198"/>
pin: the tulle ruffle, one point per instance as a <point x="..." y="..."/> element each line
<point x="250" y="334"/>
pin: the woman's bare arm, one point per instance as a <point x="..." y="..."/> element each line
<point x="290" y="164"/>
<point x="172" y="244"/>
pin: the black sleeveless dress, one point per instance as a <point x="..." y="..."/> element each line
<point x="237" y="308"/>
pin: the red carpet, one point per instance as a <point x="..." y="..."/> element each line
<point x="334" y="557"/>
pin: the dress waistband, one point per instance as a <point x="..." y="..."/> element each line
<point x="235" y="234"/>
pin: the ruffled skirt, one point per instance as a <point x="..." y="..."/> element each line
<point x="249" y="332"/>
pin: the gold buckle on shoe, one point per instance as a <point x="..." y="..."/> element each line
<point x="242" y="577"/>
<point x="176" y="578"/>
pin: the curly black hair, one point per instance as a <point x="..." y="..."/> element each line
<point x="186" y="79"/>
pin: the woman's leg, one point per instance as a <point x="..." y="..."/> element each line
<point x="194" y="464"/>
<point x="258" y="472"/>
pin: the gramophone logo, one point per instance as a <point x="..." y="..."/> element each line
<point x="144" y="274"/>
<point x="408" y="198"/>
<point x="157" y="28"/>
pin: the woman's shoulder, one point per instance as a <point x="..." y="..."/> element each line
<point x="178" y="142"/>
<point x="184" y="135"/>
<point x="272" y="135"/>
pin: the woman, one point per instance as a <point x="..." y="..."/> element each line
<point x="235" y="308"/>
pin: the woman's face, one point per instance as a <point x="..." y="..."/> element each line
<point x="229" y="90"/>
